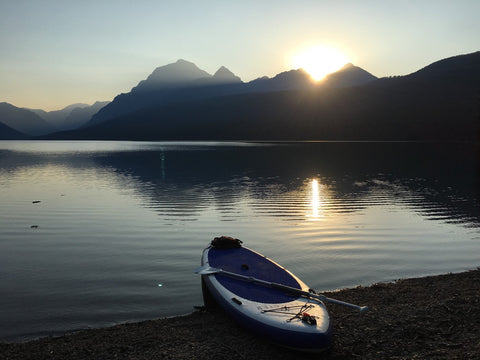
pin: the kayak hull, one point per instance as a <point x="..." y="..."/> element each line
<point x="288" y="320"/>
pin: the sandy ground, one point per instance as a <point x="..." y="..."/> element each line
<point x="426" y="318"/>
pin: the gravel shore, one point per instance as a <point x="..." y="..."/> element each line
<point x="436" y="317"/>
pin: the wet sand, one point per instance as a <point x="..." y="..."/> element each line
<point x="435" y="317"/>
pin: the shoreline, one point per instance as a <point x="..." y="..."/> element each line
<point x="429" y="317"/>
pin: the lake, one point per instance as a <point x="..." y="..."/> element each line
<point x="99" y="233"/>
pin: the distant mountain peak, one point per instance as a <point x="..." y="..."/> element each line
<point x="73" y="106"/>
<point x="297" y="75"/>
<point x="175" y="74"/>
<point x="349" y="75"/>
<point x="222" y="72"/>
<point x="180" y="71"/>
<point x="183" y="61"/>
<point x="297" y="79"/>
<point x="225" y="75"/>
<point x="346" y="66"/>
<point x="183" y="73"/>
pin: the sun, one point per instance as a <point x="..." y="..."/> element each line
<point x="319" y="61"/>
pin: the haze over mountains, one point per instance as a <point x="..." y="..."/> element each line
<point x="72" y="116"/>
<point x="28" y="123"/>
<point x="179" y="101"/>
<point x="22" y="121"/>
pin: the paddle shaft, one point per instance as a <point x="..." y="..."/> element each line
<point x="285" y="288"/>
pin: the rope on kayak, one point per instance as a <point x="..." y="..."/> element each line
<point x="300" y="314"/>
<point x="304" y="316"/>
<point x="286" y="309"/>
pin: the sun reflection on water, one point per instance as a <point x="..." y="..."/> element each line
<point x="316" y="202"/>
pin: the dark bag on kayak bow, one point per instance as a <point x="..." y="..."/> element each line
<point x="225" y="242"/>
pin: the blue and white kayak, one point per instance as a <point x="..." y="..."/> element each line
<point x="265" y="298"/>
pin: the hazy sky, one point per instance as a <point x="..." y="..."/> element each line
<point x="57" y="52"/>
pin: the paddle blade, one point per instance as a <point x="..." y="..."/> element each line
<point x="205" y="270"/>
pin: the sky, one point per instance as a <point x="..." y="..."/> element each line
<point x="54" y="53"/>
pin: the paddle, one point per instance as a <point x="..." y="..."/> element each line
<point x="207" y="270"/>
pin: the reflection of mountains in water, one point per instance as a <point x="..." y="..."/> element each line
<point x="440" y="181"/>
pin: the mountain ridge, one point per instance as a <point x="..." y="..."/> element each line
<point x="37" y="122"/>
<point x="23" y="120"/>
<point x="183" y="73"/>
<point x="225" y="75"/>
<point x="347" y="75"/>
<point x="159" y="88"/>
<point x="411" y="107"/>
<point x="439" y="101"/>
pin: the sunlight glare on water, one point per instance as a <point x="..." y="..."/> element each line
<point x="317" y="203"/>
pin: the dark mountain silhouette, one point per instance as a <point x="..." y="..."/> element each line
<point x="183" y="81"/>
<point x="349" y="75"/>
<point x="72" y="116"/>
<point x="81" y="115"/>
<point x="23" y="120"/>
<point x="455" y="70"/>
<point x="223" y="75"/>
<point x="36" y="122"/>
<point x="439" y="102"/>
<point x="178" y="82"/>
<point x="180" y="74"/>
<point x="7" y="133"/>
<point x="56" y="117"/>
<point x="287" y="80"/>
<point x="184" y="74"/>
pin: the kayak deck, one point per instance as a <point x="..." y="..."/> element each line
<point x="249" y="263"/>
<point x="287" y="319"/>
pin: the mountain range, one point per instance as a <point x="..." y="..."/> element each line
<point x="183" y="82"/>
<point x="179" y="101"/>
<point x="72" y="116"/>
<point x="23" y="123"/>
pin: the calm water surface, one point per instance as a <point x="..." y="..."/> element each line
<point x="98" y="233"/>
